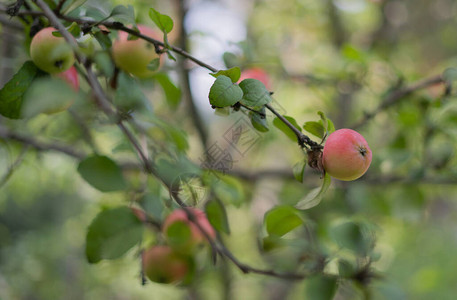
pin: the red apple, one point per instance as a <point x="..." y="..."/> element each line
<point x="161" y="264"/>
<point x="346" y="155"/>
<point x="71" y="77"/>
<point x="134" y="56"/>
<point x="50" y="53"/>
<point x="256" y="73"/>
<point x="179" y="216"/>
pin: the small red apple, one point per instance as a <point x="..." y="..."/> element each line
<point x="161" y="264"/>
<point x="50" y="53"/>
<point x="134" y="56"/>
<point x="256" y="73"/>
<point x="346" y="155"/>
<point x="71" y="77"/>
<point x="196" y="235"/>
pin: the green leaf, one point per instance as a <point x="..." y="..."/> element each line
<point x="255" y="94"/>
<point x="320" y="287"/>
<point x="314" y="197"/>
<point x="315" y="128"/>
<point x="284" y="128"/>
<point x="104" y="63"/>
<point x="224" y="92"/>
<point x="230" y="59"/>
<point x="71" y="5"/>
<point x="102" y="173"/>
<point x="179" y="235"/>
<point x="346" y="268"/>
<point x="259" y="122"/>
<point x="233" y="73"/>
<point x="164" y="22"/>
<point x="112" y="233"/>
<point x="172" y="92"/>
<point x="124" y="14"/>
<point x="271" y="242"/>
<point x="174" y="134"/>
<point x="103" y="39"/>
<point x="154" y="64"/>
<point x="282" y="219"/>
<point x="450" y="74"/>
<point x="350" y="235"/>
<point x="299" y="171"/>
<point x="174" y="171"/>
<point x="352" y="53"/>
<point x="153" y="205"/>
<point x="129" y="95"/>
<point x="330" y="126"/>
<point x="47" y="95"/>
<point x="74" y="29"/>
<point x="226" y="188"/>
<point x="178" y="137"/>
<point x="12" y="94"/>
<point x="327" y="123"/>
<point x="217" y="216"/>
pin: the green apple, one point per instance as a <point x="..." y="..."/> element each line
<point x="161" y="264"/>
<point x="50" y="53"/>
<point x="346" y="155"/>
<point x="134" y="56"/>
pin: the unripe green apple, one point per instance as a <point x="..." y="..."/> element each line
<point x="134" y="56"/>
<point x="346" y="155"/>
<point x="161" y="264"/>
<point x="50" y="53"/>
<point x="256" y="73"/>
<point x="178" y="218"/>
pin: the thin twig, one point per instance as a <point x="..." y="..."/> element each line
<point x="303" y="139"/>
<point x="397" y="95"/>
<point x="14" y="166"/>
<point x="5" y="133"/>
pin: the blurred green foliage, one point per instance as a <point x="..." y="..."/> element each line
<point x="389" y="235"/>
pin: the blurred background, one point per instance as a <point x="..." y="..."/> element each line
<point x="372" y="65"/>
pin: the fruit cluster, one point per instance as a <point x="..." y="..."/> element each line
<point x="173" y="262"/>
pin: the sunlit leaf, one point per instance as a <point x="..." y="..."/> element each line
<point x="315" y="128"/>
<point x="284" y="128"/>
<point x="314" y="197"/>
<point x="164" y="22"/>
<point x="233" y="73"/>
<point x="282" y="219"/>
